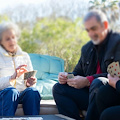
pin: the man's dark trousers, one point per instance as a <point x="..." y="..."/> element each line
<point x="70" y="100"/>
<point x="92" y="111"/>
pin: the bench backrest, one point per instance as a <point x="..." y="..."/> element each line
<point x="47" y="66"/>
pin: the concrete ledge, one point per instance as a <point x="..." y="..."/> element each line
<point x="46" y="107"/>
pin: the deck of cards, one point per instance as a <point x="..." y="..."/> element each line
<point x="29" y="74"/>
<point x="70" y="76"/>
<point x="114" y="69"/>
<point x="23" y="118"/>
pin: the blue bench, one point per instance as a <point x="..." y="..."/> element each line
<point x="48" y="68"/>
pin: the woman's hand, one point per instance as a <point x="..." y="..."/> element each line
<point x="31" y="81"/>
<point x="113" y="80"/>
<point x="18" y="72"/>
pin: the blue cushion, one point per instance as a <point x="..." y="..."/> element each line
<point x="45" y="88"/>
<point x="48" y="68"/>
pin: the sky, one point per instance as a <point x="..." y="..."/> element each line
<point x="42" y="8"/>
<point x="11" y="3"/>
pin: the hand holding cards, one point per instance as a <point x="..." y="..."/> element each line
<point x="29" y="74"/>
<point x="114" y="69"/>
<point x="69" y="76"/>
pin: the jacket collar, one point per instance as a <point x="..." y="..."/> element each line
<point x="5" y="53"/>
<point x="112" y="46"/>
<point x="104" y="43"/>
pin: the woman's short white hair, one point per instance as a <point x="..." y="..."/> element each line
<point x="4" y="26"/>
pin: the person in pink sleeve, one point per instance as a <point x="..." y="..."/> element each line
<point x="79" y="93"/>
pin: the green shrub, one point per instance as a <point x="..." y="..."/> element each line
<point x="59" y="37"/>
<point x="56" y="37"/>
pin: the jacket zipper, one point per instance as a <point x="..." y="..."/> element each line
<point x="14" y="68"/>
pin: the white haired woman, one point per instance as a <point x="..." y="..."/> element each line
<point x="13" y="63"/>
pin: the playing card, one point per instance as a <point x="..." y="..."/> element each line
<point x="35" y="118"/>
<point x="15" y="118"/>
<point x="114" y="69"/>
<point x="29" y="74"/>
<point x="70" y="76"/>
<point x="110" y="69"/>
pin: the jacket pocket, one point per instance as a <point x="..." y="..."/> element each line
<point x="85" y="66"/>
<point x="109" y="60"/>
<point x="117" y="56"/>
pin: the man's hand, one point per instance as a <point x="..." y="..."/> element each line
<point x="78" y="82"/>
<point x="62" y="77"/>
<point x="113" y="80"/>
<point x="31" y="81"/>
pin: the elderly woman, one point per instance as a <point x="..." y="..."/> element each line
<point x="14" y="62"/>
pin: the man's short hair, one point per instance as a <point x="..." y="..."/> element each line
<point x="99" y="15"/>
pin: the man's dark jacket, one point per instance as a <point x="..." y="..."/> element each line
<point x="106" y="53"/>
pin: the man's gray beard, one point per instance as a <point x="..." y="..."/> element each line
<point x="97" y="42"/>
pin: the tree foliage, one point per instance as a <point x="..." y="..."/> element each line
<point x="109" y="7"/>
<point x="56" y="37"/>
